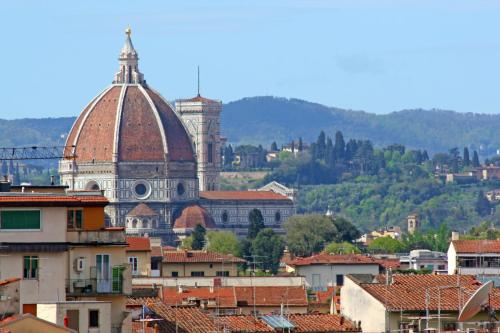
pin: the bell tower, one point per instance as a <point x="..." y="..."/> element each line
<point x="201" y="116"/>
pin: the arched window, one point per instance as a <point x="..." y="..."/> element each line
<point x="134" y="223"/>
<point x="277" y="217"/>
<point x="180" y="189"/>
<point x="225" y="216"/>
<point x="145" y="223"/>
<point x="92" y="186"/>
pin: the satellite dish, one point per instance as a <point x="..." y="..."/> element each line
<point x="479" y="299"/>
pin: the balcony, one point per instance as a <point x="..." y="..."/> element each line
<point x="104" y="236"/>
<point x="94" y="287"/>
<point x="119" y="282"/>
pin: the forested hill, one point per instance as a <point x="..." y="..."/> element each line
<point x="262" y="120"/>
<point x="267" y="119"/>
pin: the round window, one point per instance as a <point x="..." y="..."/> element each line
<point x="180" y="189"/>
<point x="225" y="217"/>
<point x="141" y="189"/>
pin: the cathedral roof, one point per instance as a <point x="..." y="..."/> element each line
<point x="193" y="215"/>
<point x="129" y="122"/>
<point x="142" y="210"/>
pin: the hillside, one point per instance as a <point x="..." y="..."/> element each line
<point x="261" y="120"/>
<point x="269" y="118"/>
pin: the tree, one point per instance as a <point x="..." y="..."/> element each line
<point x="187" y="243"/>
<point x="483" y="206"/>
<point x="475" y="160"/>
<point x="301" y="145"/>
<point x="321" y="146"/>
<point x="425" y="156"/>
<point x="198" y="237"/>
<point x="329" y="153"/>
<point x="341" y="248"/>
<point x="256" y="223"/>
<point x="339" y="146"/>
<point x="274" y="146"/>
<point x="307" y="234"/>
<point x="224" y="242"/>
<point x="346" y="231"/>
<point x="386" y="245"/>
<point x="466" y="157"/>
<point x="268" y="249"/>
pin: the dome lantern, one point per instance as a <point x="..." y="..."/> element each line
<point x="129" y="63"/>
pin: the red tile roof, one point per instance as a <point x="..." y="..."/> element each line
<point x="142" y="210"/>
<point x="200" y="99"/>
<point x="244" y="324"/>
<point x="321" y="322"/>
<point x="9" y="281"/>
<point x="182" y="256"/>
<point x="242" y="195"/>
<point x="271" y="296"/>
<point x="52" y="200"/>
<point x="222" y="297"/>
<point x="193" y="215"/>
<point x="183" y="319"/>
<point x="476" y="246"/>
<point x="138" y="244"/>
<point x="408" y="292"/>
<point x="389" y="263"/>
<point x="334" y="259"/>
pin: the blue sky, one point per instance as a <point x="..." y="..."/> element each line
<point x="373" y="55"/>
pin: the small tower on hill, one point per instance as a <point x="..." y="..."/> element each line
<point x="413" y="223"/>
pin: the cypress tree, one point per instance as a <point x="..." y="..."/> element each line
<point x="301" y="145"/>
<point x="466" y="157"/>
<point x="475" y="160"/>
<point x="198" y="237"/>
<point x="339" y="147"/>
<point x="274" y="146"/>
<point x="321" y="146"/>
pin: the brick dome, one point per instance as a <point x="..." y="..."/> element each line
<point x="129" y="122"/>
<point x="193" y="215"/>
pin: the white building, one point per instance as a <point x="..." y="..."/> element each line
<point x="325" y="270"/>
<point x="425" y="259"/>
<point x="475" y="257"/>
<point x="406" y="303"/>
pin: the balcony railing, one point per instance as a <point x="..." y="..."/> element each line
<point x="92" y="287"/>
<point x="96" y="236"/>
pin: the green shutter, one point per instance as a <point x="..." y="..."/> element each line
<point x="20" y="219"/>
<point x="78" y="218"/>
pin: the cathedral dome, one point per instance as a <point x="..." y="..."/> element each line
<point x="129" y="122"/>
<point x="191" y="216"/>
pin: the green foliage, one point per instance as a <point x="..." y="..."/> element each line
<point x="483" y="206"/>
<point x="268" y="248"/>
<point x="187" y="243"/>
<point x="346" y="231"/>
<point x="341" y="248"/>
<point x="307" y="234"/>
<point x="198" y="236"/>
<point x="224" y="242"/>
<point x="485" y="230"/>
<point x="256" y="223"/>
<point x="386" y="245"/>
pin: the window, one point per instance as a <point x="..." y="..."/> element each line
<point x="199" y="274"/>
<point x="133" y="264"/>
<point x="30" y="267"/>
<point x="277" y="217"/>
<point x="93" y="318"/>
<point x="74" y="219"/>
<point x="441" y="267"/>
<point x="140" y="189"/>
<point x="225" y="217"/>
<point x="339" y="280"/>
<point x="175" y="274"/>
<point x="20" y="219"/>
<point x="210" y="152"/>
<point x="180" y="189"/>
<point x="222" y="273"/>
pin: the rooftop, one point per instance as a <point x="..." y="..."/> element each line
<point x="10" y="199"/>
<point x="409" y="292"/>
<point x="335" y="259"/>
<point x="242" y="195"/>
<point x="182" y="256"/>
<point x="138" y="244"/>
<point x="476" y="246"/>
<point x="271" y="296"/>
<point x="223" y="297"/>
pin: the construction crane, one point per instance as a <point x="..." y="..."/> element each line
<point x="37" y="153"/>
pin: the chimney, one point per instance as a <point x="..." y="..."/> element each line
<point x="211" y="289"/>
<point x="455" y="235"/>
<point x="5" y="184"/>
<point x="179" y="289"/>
<point x="155" y="328"/>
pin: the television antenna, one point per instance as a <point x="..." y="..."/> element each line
<point x="480" y="300"/>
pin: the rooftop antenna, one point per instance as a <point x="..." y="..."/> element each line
<point x="198" y="80"/>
